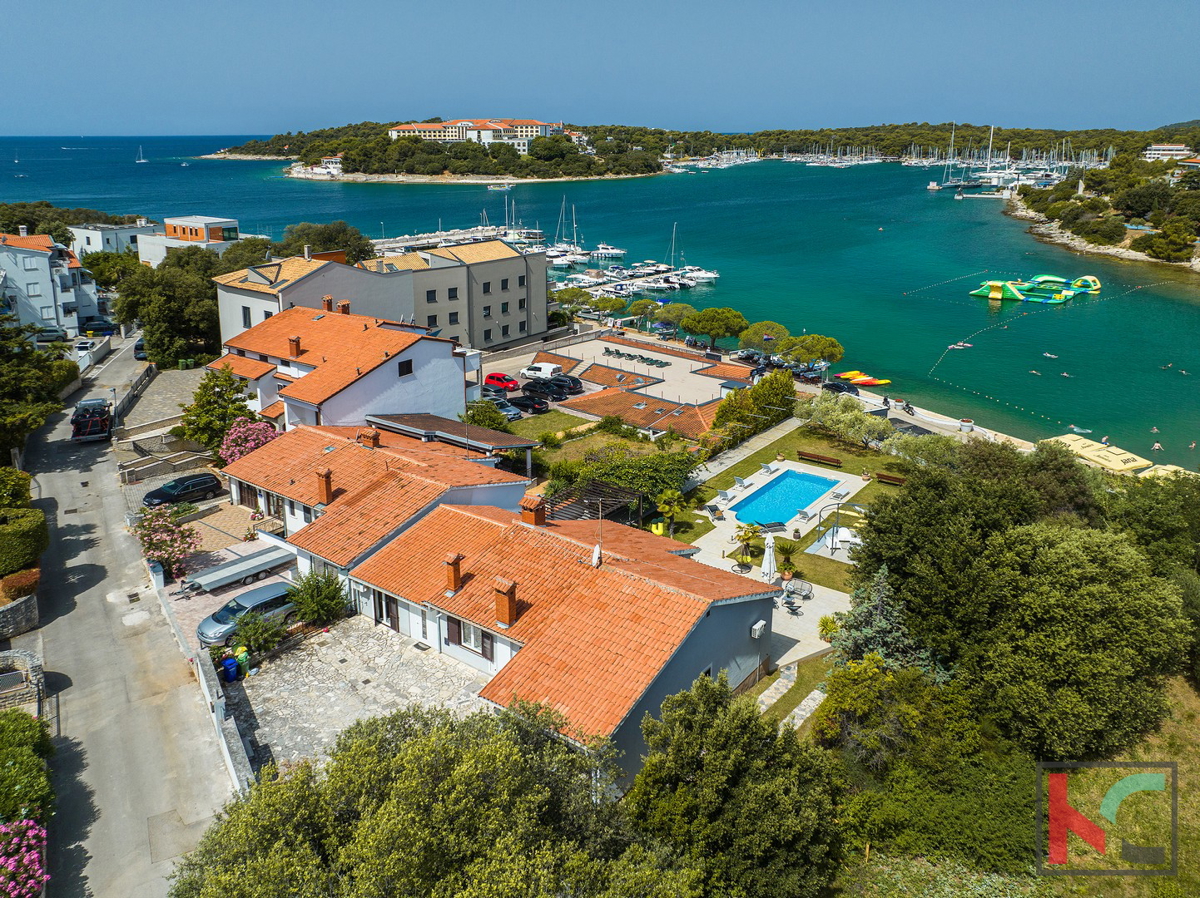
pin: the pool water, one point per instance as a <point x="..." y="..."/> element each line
<point x="782" y="497"/>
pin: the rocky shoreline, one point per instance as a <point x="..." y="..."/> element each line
<point x="1049" y="232"/>
<point x="246" y="157"/>
<point x="362" y="178"/>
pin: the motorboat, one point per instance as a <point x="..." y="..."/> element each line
<point x="696" y="273"/>
<point x="604" y="251"/>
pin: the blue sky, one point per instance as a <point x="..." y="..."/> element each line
<point x="262" y="66"/>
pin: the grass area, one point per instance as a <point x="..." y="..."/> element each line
<point x="884" y="876"/>
<point x="810" y="674"/>
<point x="532" y="426"/>
<point x="574" y="450"/>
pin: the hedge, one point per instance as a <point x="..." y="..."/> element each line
<point x="14" y="488"/>
<point x="24" y="536"/>
<point x="19" y="729"/>
<point x="19" y="585"/>
<point x="63" y="373"/>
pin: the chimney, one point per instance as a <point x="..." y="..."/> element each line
<point x="506" y="602"/>
<point x="23" y="231"/>
<point x="141" y="222"/>
<point x="325" y="487"/>
<point x="307" y="253"/>
<point x="343" y="306"/>
<point x="370" y="437"/>
<point x="453" y="572"/>
<point x="533" y="510"/>
<point x="294" y="346"/>
<point x="327" y="303"/>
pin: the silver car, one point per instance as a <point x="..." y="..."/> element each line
<point x="272" y="601"/>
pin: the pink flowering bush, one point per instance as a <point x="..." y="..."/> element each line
<point x="22" y="873"/>
<point x="165" y="541"/>
<point x="244" y="437"/>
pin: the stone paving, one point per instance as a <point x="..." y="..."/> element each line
<point x="162" y="397"/>
<point x="297" y="703"/>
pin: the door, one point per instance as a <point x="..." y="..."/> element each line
<point x="393" y="614"/>
<point x="377" y="597"/>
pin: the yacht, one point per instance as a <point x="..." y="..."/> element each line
<point x="140" y="157"/>
<point x="604" y="251"/>
<point x="696" y="273"/>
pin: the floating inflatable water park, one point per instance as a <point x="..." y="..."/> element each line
<point x="1046" y="288"/>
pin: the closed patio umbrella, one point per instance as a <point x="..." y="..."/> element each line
<point x="768" y="565"/>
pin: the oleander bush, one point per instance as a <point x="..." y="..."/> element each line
<point x="24" y="536"/>
<point x="22" y="873"/>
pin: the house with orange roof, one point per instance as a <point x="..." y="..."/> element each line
<point x="328" y="366"/>
<point x="334" y="495"/>
<point x="516" y="132"/>
<point x="44" y="283"/>
<point x="650" y="414"/>
<point x="484" y="295"/>
<point x="600" y="623"/>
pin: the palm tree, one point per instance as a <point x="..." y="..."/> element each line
<point x="746" y="534"/>
<point x="671" y="504"/>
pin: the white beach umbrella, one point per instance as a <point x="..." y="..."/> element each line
<point x="768" y="565"/>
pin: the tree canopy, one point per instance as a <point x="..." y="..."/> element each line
<point x="715" y="323"/>
<point x="336" y="235"/>
<point x="217" y="405"/>
<point x="30" y="381"/>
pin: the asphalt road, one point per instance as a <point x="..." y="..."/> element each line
<point x="137" y="771"/>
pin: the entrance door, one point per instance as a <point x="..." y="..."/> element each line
<point x="377" y="601"/>
<point x="393" y="614"/>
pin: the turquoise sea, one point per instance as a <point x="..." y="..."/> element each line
<point x="864" y="254"/>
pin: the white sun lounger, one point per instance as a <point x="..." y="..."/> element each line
<point x="742" y="484"/>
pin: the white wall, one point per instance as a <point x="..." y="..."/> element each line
<point x="231" y="301"/>
<point x="436" y="386"/>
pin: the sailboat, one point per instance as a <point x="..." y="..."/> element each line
<point x="140" y="157"/>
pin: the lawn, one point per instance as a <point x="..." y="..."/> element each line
<point x="533" y="426"/>
<point x="574" y="450"/>
<point x="810" y="674"/>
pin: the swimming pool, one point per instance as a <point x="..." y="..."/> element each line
<point x="782" y="497"/>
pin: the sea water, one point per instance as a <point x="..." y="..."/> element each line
<point x="864" y="254"/>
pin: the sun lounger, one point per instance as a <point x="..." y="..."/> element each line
<point x="773" y="527"/>
<point x="840" y="494"/>
<point x="742" y="484"/>
<point x="767" y="469"/>
<point x="724" y="495"/>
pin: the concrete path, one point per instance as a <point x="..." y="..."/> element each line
<point x="137" y="769"/>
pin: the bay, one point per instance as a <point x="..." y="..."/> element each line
<point x="863" y="254"/>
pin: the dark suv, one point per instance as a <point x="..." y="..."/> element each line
<point x="568" y="383"/>
<point x="545" y="389"/>
<point x="184" y="489"/>
<point x="834" y="386"/>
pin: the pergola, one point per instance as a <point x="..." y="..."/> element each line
<point x="594" y="499"/>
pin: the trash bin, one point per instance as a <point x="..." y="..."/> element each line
<point x="243" y="659"/>
<point x="230" y="667"/>
<point x="182" y="365"/>
<point x="658" y="526"/>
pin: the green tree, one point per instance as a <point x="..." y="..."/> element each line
<point x="844" y="417"/>
<point x="811" y="347"/>
<point x="177" y="305"/>
<point x="671" y="504"/>
<point x="14" y="488"/>
<point x="674" y="313"/>
<point x="58" y="231"/>
<point x="876" y="625"/>
<point x="765" y="336"/>
<point x="485" y="414"/>
<point x="29" y="384"/>
<point x="323" y="238"/>
<point x="715" y="770"/>
<point x="246" y="252"/>
<point x="219" y="400"/>
<point x="715" y="323"/>
<point x="1084" y="636"/>
<point x="1174" y="243"/>
<point x="319" y="597"/>
<point x="643" y="308"/>
<point x="109" y="269"/>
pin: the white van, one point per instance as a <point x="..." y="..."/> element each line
<point x="540" y="370"/>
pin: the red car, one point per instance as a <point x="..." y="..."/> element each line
<point x="503" y="381"/>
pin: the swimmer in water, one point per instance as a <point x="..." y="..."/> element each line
<point x="1193" y="446"/>
<point x="1154" y="430"/>
<point x="1167" y="365"/>
<point x="1031" y="371"/>
<point x="1157" y="447"/>
<point x="1065" y="374"/>
<point x="1181" y="371"/>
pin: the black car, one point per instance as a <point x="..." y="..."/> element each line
<point x="568" y="382"/>
<point x="139" y="350"/>
<point x="104" y="327"/>
<point x="544" y="389"/>
<point x="530" y="404"/>
<point x="184" y="489"/>
<point x="834" y="387"/>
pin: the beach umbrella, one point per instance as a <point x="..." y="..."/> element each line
<point x="768" y="566"/>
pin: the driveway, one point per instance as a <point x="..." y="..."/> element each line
<point x="297" y="703"/>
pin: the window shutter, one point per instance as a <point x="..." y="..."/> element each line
<point x="453" y="631"/>
<point x="488" y="638"/>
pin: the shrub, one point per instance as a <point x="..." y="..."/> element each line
<point x="14" y="488"/>
<point x="25" y="792"/>
<point x="63" y="373"/>
<point x="258" y="633"/>
<point x="827" y="627"/>
<point x="244" y="437"/>
<point x="19" y="729"/>
<point x="19" y="585"/>
<point x="182" y="510"/>
<point x="23" y="538"/>
<point x="178" y="432"/>
<point x="319" y="597"/>
<point x="22" y="874"/>
<point x="549" y="440"/>
<point x="164" y="541"/>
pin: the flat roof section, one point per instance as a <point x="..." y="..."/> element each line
<point x="447" y="430"/>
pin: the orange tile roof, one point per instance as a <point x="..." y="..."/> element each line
<point x="484" y="251"/>
<point x="726" y="371"/>
<point x="608" y="376"/>
<point x="251" y="369"/>
<point x="274" y="410"/>
<point x="689" y="421"/>
<point x="271" y="277"/>
<point x="386" y="264"/>
<point x="41" y="242"/>
<point x="567" y="363"/>
<point x="593" y="639"/>
<point x="340" y="348"/>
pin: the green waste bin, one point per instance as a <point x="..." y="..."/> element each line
<point x="191" y="363"/>
<point x="182" y="364"/>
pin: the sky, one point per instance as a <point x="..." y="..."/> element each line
<point x="263" y="66"/>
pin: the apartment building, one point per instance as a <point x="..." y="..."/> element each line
<point x="483" y="295"/>
<point x="516" y="132"/>
<point x="1159" y="152"/>
<point x="43" y="282"/>
<point x="213" y="234"/>
<point x="108" y="238"/>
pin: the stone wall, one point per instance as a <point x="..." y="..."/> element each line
<point x="30" y="693"/>
<point x="18" y="617"/>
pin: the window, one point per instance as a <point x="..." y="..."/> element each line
<point x="261" y="357"/>
<point x="246" y="316"/>
<point x="306" y="513"/>
<point x="487" y="311"/>
<point x="404" y="368"/>
<point x="431" y="321"/>
<point x="521" y="303"/>
<point x="503" y="308"/>
<point x="469" y="636"/>
<point x="452" y="293"/>
<point x="431" y="296"/>
<point x="487" y="336"/>
<point x="521" y="281"/>
<point x="30" y="263"/>
<point x="504" y="330"/>
<point x="89" y="240"/>
<point x="454" y="317"/>
<point x="472" y="637"/>
<point x="266" y="315"/>
<point x="521" y="326"/>
<point x="33" y="289"/>
<point x="487" y="286"/>
<point x="503" y="283"/>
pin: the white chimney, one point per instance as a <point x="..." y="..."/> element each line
<point x="307" y="253"/>
<point x="23" y="231"/>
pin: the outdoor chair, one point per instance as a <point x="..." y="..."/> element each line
<point x="766" y="469"/>
<point x="724" y="495"/>
<point x="840" y="494"/>
<point x="714" y="512"/>
<point x="742" y="484"/>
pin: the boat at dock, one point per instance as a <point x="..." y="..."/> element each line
<point x="1043" y="288"/>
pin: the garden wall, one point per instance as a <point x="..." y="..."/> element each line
<point x="18" y="617"/>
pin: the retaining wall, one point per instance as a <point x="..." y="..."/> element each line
<point x="18" y="617"/>
<point x="34" y="688"/>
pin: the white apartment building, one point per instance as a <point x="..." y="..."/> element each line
<point x="213" y="234"/>
<point x="516" y="132"/>
<point x="108" y="238"/>
<point x="1159" y="152"/>
<point x="43" y="282"/>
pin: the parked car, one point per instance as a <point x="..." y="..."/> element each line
<point x="530" y="404"/>
<point x="503" y="381"/>
<point x="834" y="386"/>
<point x="747" y="355"/>
<point x="83" y="347"/>
<point x="139" y="350"/>
<point x="540" y="370"/>
<point x="544" y="389"/>
<point x="271" y="601"/>
<point x="50" y="335"/>
<point x="104" y="327"/>
<point x="568" y="382"/>
<point x="507" y="409"/>
<point x="184" y="489"/>
<point x="487" y="392"/>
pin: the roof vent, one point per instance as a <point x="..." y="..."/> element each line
<point x="318" y="317"/>
<point x="639" y="405"/>
<point x="678" y="411"/>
